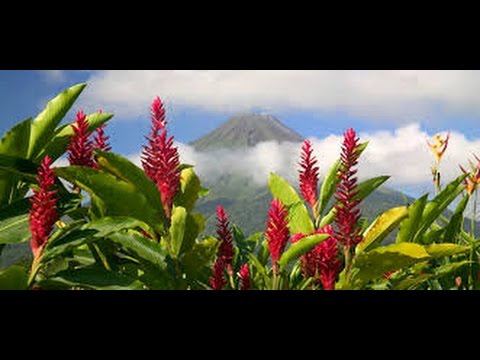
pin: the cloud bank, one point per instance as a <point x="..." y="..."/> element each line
<point x="402" y="95"/>
<point x="403" y="154"/>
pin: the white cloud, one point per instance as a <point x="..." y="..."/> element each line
<point x="401" y="96"/>
<point x="402" y="154"/>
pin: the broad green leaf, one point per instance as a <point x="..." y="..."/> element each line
<point x="329" y="218"/>
<point x="381" y="227"/>
<point x="437" y="206"/>
<point x="260" y="269"/>
<point x="445" y="249"/>
<point x="301" y="247"/>
<point x="76" y="234"/>
<point x="43" y="126"/>
<point x="409" y="226"/>
<point x="142" y="248"/>
<point x="412" y="281"/>
<point x="14" y="225"/>
<point x="13" y="144"/>
<point x="114" y="196"/>
<point x="366" y="187"/>
<point x="177" y="229"/>
<point x="452" y="231"/>
<point x="199" y="261"/>
<point x="13" y="278"/>
<point x="377" y="262"/>
<point x="328" y="186"/>
<point x="299" y="219"/>
<point x="97" y="278"/>
<point x="194" y="226"/>
<point x="189" y="191"/>
<point x="60" y="141"/>
<point x="14" y="165"/>
<point x="14" y="229"/>
<point x="127" y="171"/>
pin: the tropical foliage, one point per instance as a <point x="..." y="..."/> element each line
<point x="103" y="223"/>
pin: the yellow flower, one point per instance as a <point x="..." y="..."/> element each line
<point x="439" y="145"/>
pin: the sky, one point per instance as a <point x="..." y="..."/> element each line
<point x="395" y="110"/>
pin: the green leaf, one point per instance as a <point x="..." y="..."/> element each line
<point x="437" y="206"/>
<point x="189" y="191"/>
<point x="194" y="226"/>
<point x="412" y="281"/>
<point x="329" y="218"/>
<point x="177" y="229"/>
<point x="328" y="186"/>
<point x="9" y="165"/>
<point x="377" y="262"/>
<point x="14" y="229"/>
<point x="115" y="197"/>
<point x="452" y="231"/>
<point x="299" y="219"/>
<point x="97" y="278"/>
<point x="76" y="234"/>
<point x="127" y="171"/>
<point x="13" y="147"/>
<point x="366" y="187"/>
<point x="142" y="248"/>
<point x="61" y="139"/>
<point x="381" y="227"/>
<point x="409" y="226"/>
<point x="445" y="249"/>
<point x="43" y="127"/>
<point x="199" y="261"/>
<point x="13" y="278"/>
<point x="301" y="247"/>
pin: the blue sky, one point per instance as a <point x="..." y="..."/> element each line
<point x="378" y="104"/>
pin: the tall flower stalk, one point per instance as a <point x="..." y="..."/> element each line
<point x="308" y="177"/>
<point x="80" y="150"/>
<point x="224" y="234"/>
<point x="277" y="234"/>
<point x="244" y="275"/>
<point x="218" y="281"/>
<point x="160" y="158"/>
<point x="438" y="148"/>
<point x="43" y="214"/>
<point x="348" y="213"/>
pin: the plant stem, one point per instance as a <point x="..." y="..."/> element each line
<point x="471" y="281"/>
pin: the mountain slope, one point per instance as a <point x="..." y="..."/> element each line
<point x="242" y="131"/>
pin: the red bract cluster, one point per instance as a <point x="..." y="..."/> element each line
<point x="322" y="262"/>
<point x="218" y="281"/>
<point x="348" y="213"/>
<point x="101" y="140"/>
<point x="308" y="174"/>
<point x="160" y="159"/>
<point x="244" y="275"/>
<point x="277" y="233"/>
<point x="43" y="213"/>
<point x="226" y="250"/>
<point x="80" y="151"/>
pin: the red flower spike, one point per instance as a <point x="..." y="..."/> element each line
<point x="244" y="275"/>
<point x="226" y="250"/>
<point x="218" y="281"/>
<point x="277" y="233"/>
<point x="101" y="140"/>
<point x="80" y="150"/>
<point x="43" y="214"/>
<point x="160" y="159"/>
<point x="348" y="215"/>
<point x="322" y="262"/>
<point x="308" y="174"/>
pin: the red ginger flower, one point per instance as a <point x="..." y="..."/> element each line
<point x="322" y="262"/>
<point x="80" y="151"/>
<point x="308" y="174"/>
<point x="43" y="214"/>
<point x="218" y="281"/>
<point x="101" y="140"/>
<point x="348" y="230"/>
<point x="277" y="233"/>
<point x="160" y="159"/>
<point x="226" y="250"/>
<point x="244" y="275"/>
